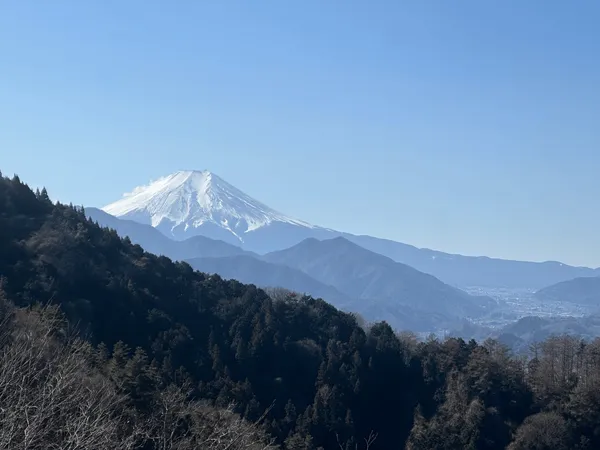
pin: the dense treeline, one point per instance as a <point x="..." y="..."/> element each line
<point x="178" y="344"/>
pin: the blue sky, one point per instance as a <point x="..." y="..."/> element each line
<point x="469" y="127"/>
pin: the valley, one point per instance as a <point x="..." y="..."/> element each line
<point x="514" y="304"/>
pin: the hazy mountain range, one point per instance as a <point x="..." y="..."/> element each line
<point x="583" y="291"/>
<point x="156" y="242"/>
<point x="192" y="203"/>
<point x="345" y="274"/>
<point x="252" y="270"/>
<point x="366" y="275"/>
<point x="520" y="334"/>
<point x="198" y="217"/>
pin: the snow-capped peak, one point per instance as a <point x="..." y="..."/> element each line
<point x="188" y="200"/>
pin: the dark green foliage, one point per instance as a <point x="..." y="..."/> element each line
<point x="325" y="382"/>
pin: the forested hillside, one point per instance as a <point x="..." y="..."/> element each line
<point x="176" y="348"/>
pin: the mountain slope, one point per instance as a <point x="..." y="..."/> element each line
<point x="465" y="271"/>
<point x="234" y="263"/>
<point x="189" y="203"/>
<point x="154" y="241"/>
<point x="519" y="335"/>
<point x="367" y="275"/>
<point x="213" y="256"/>
<point x="248" y="269"/>
<point x="583" y="291"/>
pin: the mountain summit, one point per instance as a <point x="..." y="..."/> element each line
<point x="188" y="203"/>
<point x="191" y="203"/>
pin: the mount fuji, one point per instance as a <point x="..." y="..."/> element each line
<point x="191" y="203"/>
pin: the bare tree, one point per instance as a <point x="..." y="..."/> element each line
<point x="49" y="396"/>
<point x="52" y="398"/>
<point x="281" y="294"/>
<point x="181" y="424"/>
<point x="222" y="429"/>
<point x="558" y="364"/>
<point x="546" y="430"/>
<point x="369" y="440"/>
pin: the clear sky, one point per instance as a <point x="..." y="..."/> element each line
<point x="466" y="126"/>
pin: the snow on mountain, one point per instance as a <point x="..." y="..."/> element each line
<point x="191" y="203"/>
<point x="186" y="203"/>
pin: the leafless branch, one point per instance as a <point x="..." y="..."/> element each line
<point x="49" y="396"/>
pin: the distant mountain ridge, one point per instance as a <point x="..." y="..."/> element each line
<point x="356" y="280"/>
<point x="383" y="300"/>
<point x="520" y="334"/>
<point x="250" y="270"/>
<point x="466" y="271"/>
<point x="367" y="275"/>
<point x="156" y="242"/>
<point x="199" y="203"/>
<point x="585" y="291"/>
